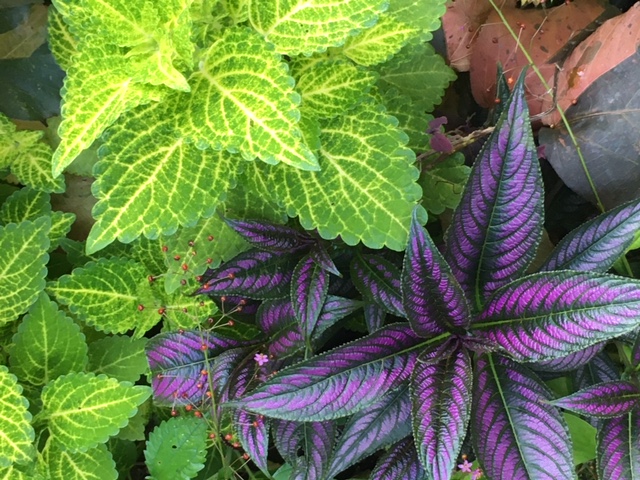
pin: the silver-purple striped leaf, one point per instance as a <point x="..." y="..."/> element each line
<point x="618" y="448"/>
<point x="309" y="286"/>
<point x="317" y="440"/>
<point x="367" y="431"/>
<point x="598" y="243"/>
<point x="339" y="382"/>
<point x="374" y="316"/>
<point x="516" y="433"/>
<point x="603" y="400"/>
<point x="270" y="237"/>
<point x="498" y="224"/>
<point x="441" y="405"/>
<point x="276" y="319"/>
<point x="177" y="361"/>
<point x="378" y="281"/>
<point x="600" y="369"/>
<point x="287" y="437"/>
<point x="570" y="362"/>
<point x="222" y="368"/>
<point x="333" y="310"/>
<point x="400" y="462"/>
<point x="253" y="435"/>
<point x="635" y="349"/>
<point x="552" y="314"/>
<point x="324" y="260"/>
<point x="432" y="298"/>
<point x="254" y="274"/>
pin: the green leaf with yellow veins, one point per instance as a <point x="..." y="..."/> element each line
<point x="238" y="10"/>
<point x="412" y="119"/>
<point x="16" y="472"/>
<point x="119" y="356"/>
<point x="60" y="225"/>
<point x="442" y="183"/>
<point x="76" y="252"/>
<point x="151" y="180"/>
<point x="379" y="43"/>
<point x="48" y="344"/>
<point x="95" y="463"/>
<point x="112" y="295"/>
<point x="332" y="87"/>
<point x="98" y="88"/>
<point x="367" y="187"/>
<point x="185" y="311"/>
<point x="424" y="16"/>
<point x="135" y="429"/>
<point x="306" y="26"/>
<point x="62" y="43"/>
<point x="255" y="196"/>
<point x="418" y="72"/>
<point x="23" y="260"/>
<point x="25" y="204"/>
<point x="84" y="162"/>
<point x="149" y="253"/>
<point x="83" y="410"/>
<point x="16" y="441"/>
<point x="243" y="100"/>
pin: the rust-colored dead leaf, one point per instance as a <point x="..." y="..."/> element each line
<point x="461" y="23"/>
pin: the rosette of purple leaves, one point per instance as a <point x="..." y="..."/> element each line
<point x="478" y="328"/>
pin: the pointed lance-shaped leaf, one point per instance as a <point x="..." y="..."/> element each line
<point x="324" y="260"/>
<point x="552" y="314"/>
<point x="277" y="321"/>
<point x="287" y="436"/>
<point x="618" y="448"/>
<point x="598" y="243"/>
<point x="516" y="432"/>
<point x="222" y="367"/>
<point x="603" y="400"/>
<point x="309" y="286"/>
<point x="635" y="350"/>
<point x="498" y="224"/>
<point x="317" y="444"/>
<point x="571" y="361"/>
<point x="253" y="274"/>
<point x="270" y="237"/>
<point x="378" y="281"/>
<point x="367" y="431"/>
<point x="340" y="381"/>
<point x="400" y="461"/>
<point x="374" y="316"/>
<point x="292" y="437"/>
<point x="431" y="296"/>
<point x="334" y="309"/>
<point x="441" y="397"/>
<point x="253" y="435"/>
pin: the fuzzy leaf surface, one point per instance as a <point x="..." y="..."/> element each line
<point x="23" y="260"/>
<point x="16" y="442"/>
<point x="84" y="410"/>
<point x="603" y="400"/>
<point x="498" y="225"/>
<point x="400" y="461"/>
<point x="309" y="285"/>
<point x="598" y="243"/>
<point x="550" y="315"/>
<point x="378" y="281"/>
<point x="339" y="382"/>
<point x="48" y="344"/>
<point x="618" y="448"/>
<point x="516" y="433"/>
<point x="441" y="397"/>
<point x="298" y="27"/>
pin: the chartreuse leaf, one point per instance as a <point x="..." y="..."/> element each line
<point x="411" y="117"/>
<point x="618" y="447"/>
<point x="153" y="191"/>
<point x="331" y="87"/>
<point x="550" y="315"/>
<point x="296" y="27"/>
<point x="443" y="182"/>
<point x="516" y="432"/>
<point x="48" y="344"/>
<point x="83" y="410"/>
<point x="61" y="223"/>
<point x="98" y="88"/>
<point x="238" y="10"/>
<point x="583" y="437"/>
<point x="424" y="16"/>
<point x="400" y="461"/>
<point x="417" y="71"/>
<point x="62" y="43"/>
<point x="119" y="356"/>
<point x="16" y="441"/>
<point x="176" y="449"/>
<point x="243" y="100"/>
<point x="112" y="295"/>
<point x="339" y="382"/>
<point x="498" y="225"/>
<point x="367" y="186"/>
<point x="61" y="463"/>
<point x="16" y="472"/>
<point x="23" y="260"/>
<point x="25" y="204"/>
<point x="603" y="400"/>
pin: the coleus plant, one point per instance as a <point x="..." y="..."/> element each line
<point x="479" y="326"/>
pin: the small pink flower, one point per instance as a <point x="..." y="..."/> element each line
<point x="477" y="474"/>
<point x="465" y="467"/>
<point x="261" y="358"/>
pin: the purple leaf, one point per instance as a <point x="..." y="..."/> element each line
<point x="334" y="309"/>
<point x="597" y="244"/>
<point x="270" y="237"/>
<point x="618" y="448"/>
<point x="233" y="304"/>
<point x="317" y="444"/>
<point x="253" y="435"/>
<point x="287" y="436"/>
<point x="635" y="350"/>
<point x="222" y="368"/>
<point x="498" y="224"/>
<point x="383" y="423"/>
<point x="324" y="260"/>
<point x="276" y="319"/>
<point x="400" y="462"/>
<point x="432" y="298"/>
<point x="571" y="361"/>
<point x="374" y="316"/>
<point x="378" y="281"/>
<point x="600" y="369"/>
<point x="441" y="396"/>
<point x="339" y="382"/>
<point x="517" y="434"/>
<point x="254" y="274"/>
<point x="603" y="400"/>
<point x="309" y="286"/>
<point x="177" y="361"/>
<point x="550" y="315"/>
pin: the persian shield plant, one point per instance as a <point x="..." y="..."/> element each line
<point x="479" y="327"/>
